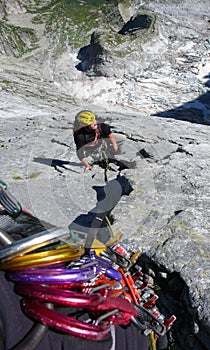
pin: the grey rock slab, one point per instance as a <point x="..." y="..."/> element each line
<point x="150" y="95"/>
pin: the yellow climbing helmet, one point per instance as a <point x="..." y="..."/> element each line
<point x="86" y="118"/>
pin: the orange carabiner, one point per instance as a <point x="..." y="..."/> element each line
<point x="129" y="283"/>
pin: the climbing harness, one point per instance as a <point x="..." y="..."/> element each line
<point x="108" y="285"/>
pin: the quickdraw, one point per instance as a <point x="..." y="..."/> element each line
<point x="112" y="296"/>
<point x="102" y="284"/>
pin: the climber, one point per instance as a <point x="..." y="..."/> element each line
<point x="91" y="137"/>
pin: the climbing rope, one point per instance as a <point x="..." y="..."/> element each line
<point x="109" y="225"/>
<point x="152" y="341"/>
<point x="106" y="160"/>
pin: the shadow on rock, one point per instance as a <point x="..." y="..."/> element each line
<point x="119" y="165"/>
<point x="136" y="23"/>
<point x="90" y="55"/>
<point x="57" y="163"/>
<point x="195" y="111"/>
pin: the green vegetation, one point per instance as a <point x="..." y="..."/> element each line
<point x="70" y="21"/>
<point x="66" y="23"/>
<point x="16" y="40"/>
<point x="16" y="176"/>
<point x="34" y="175"/>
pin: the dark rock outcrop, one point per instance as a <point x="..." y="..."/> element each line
<point x="93" y="55"/>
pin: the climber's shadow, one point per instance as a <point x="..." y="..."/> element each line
<point x="57" y="164"/>
<point x="108" y="197"/>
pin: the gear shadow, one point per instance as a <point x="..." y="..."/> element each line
<point x="121" y="164"/>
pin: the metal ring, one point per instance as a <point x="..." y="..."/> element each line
<point x="32" y="242"/>
<point x="54" y="276"/>
<point x="42" y="259"/>
<point x="64" y="323"/>
<point x="60" y="296"/>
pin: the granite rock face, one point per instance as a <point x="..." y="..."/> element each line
<point x="151" y="85"/>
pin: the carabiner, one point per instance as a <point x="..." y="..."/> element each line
<point x="33" y="242"/>
<point x="9" y="202"/>
<point x="64" y="323"/>
<point x="116" y="257"/>
<point x="104" y="263"/>
<point x="60" y="296"/>
<point x="42" y="259"/>
<point x="152" y="322"/>
<point x="54" y="276"/>
<point x="129" y="283"/>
